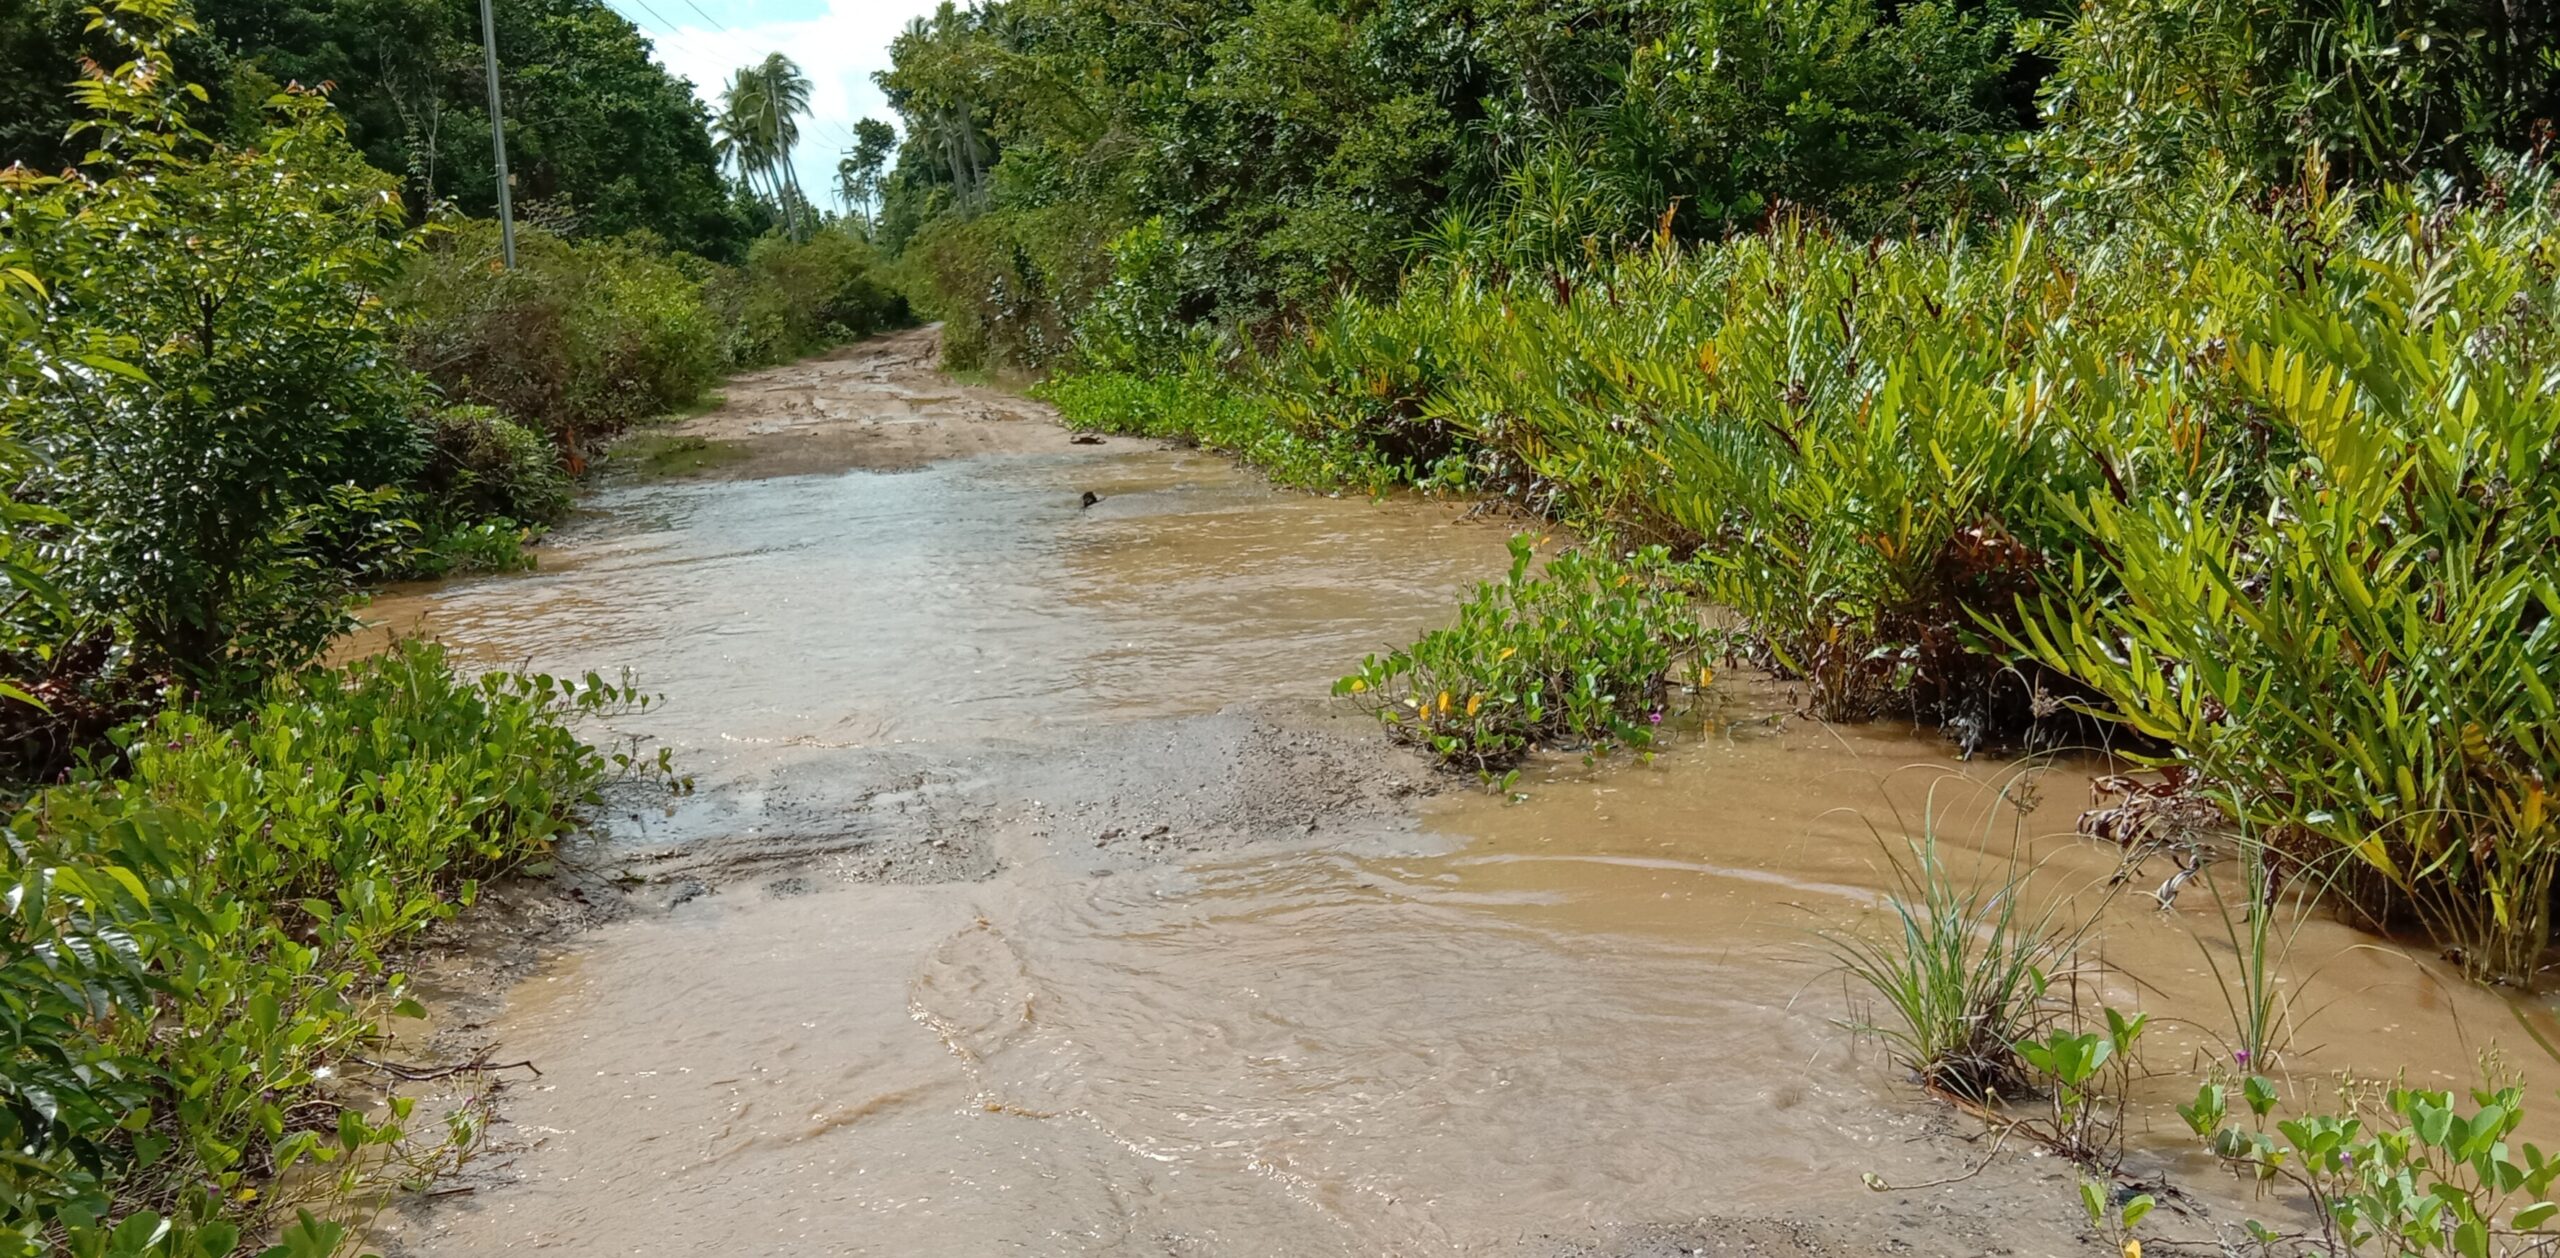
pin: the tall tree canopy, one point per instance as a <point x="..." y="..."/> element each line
<point x="599" y="135"/>
<point x="757" y="128"/>
<point x="858" y="172"/>
<point x="1294" y="146"/>
<point x="1291" y="148"/>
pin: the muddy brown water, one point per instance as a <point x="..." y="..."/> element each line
<point x="1032" y="901"/>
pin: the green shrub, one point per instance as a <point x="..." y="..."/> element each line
<point x="1175" y="407"/>
<point x="214" y="389"/>
<point x="579" y="340"/>
<point x="1591" y="653"/>
<point x="1134" y="323"/>
<point x="219" y="438"/>
<point x="1007" y="283"/>
<point x="2087" y="1076"/>
<point x="1362" y="376"/>
<point x="481" y="466"/>
<point x="454" y="550"/>
<point x="2407" y="1172"/>
<point x="2364" y="666"/>
<point x="194" y="946"/>
<point x="796" y="296"/>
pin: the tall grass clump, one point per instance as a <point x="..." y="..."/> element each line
<point x="1591" y="652"/>
<point x="195" y="946"/>
<point x="1963" y="971"/>
<point x="2260" y="931"/>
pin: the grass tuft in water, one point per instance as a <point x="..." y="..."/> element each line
<point x="1964" y="974"/>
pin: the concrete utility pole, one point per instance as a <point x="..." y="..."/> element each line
<point x="498" y="135"/>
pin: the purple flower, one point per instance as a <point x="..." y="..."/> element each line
<point x="2241" y="1057"/>
<point x="1655" y="717"/>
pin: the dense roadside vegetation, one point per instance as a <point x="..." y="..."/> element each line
<point x="201" y="947"/>
<point x="2180" y="374"/>
<point x="251" y="370"/>
<point x="248" y="376"/>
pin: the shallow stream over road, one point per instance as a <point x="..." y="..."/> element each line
<point x="1033" y="900"/>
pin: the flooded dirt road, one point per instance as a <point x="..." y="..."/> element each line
<point x="1033" y="902"/>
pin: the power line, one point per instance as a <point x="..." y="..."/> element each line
<point x="662" y="20"/>
<point x="665" y="38"/>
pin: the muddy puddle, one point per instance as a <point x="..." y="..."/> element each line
<point x="1032" y="901"/>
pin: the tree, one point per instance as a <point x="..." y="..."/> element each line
<point x="934" y="67"/>
<point x="858" y="171"/>
<point x="594" y="124"/>
<point x="786" y="99"/>
<point x="215" y="401"/>
<point x="759" y="126"/>
<point x="744" y="130"/>
<point x="598" y="130"/>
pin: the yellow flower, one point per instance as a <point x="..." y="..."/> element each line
<point x="1508" y="652"/>
<point x="1474" y="702"/>
<point x="1358" y="685"/>
<point x="1444" y="702"/>
<point x="2133" y="1249"/>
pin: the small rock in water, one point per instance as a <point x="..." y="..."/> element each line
<point x="1090" y="498"/>
<point x="1085" y="439"/>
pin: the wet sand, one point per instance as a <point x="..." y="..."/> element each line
<point x="1033" y="900"/>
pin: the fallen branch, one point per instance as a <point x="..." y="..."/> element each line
<point x="420" y="1074"/>
<point x="1875" y="1182"/>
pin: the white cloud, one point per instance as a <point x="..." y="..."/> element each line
<point x="839" y="47"/>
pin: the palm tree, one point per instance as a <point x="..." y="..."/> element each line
<point x="759" y="125"/>
<point x="786" y="99"/>
<point x="742" y="128"/>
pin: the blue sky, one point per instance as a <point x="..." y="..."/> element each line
<point x="839" y="43"/>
